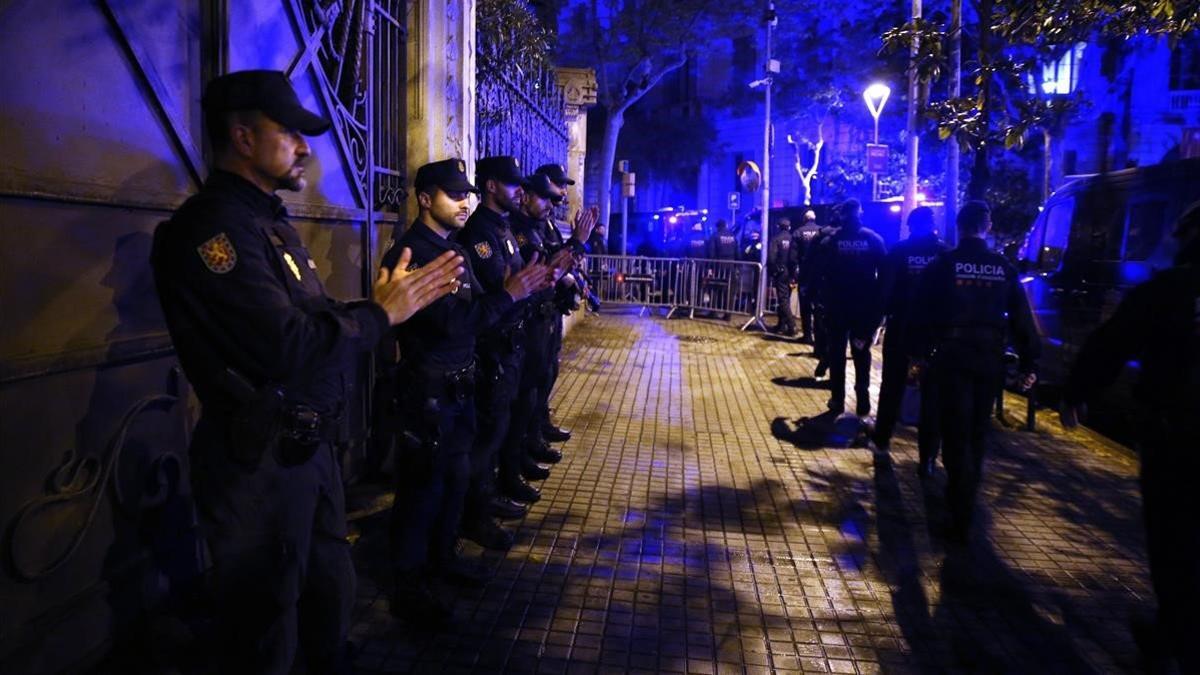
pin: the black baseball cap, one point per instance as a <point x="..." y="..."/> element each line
<point x="268" y="91"/>
<point x="448" y="174"/>
<point x="502" y="168"/>
<point x="542" y="185"/>
<point x="556" y="173"/>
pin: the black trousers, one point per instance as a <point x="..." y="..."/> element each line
<point x="497" y="381"/>
<point x="1170" y="506"/>
<point x="783" y="296"/>
<point x="820" y="337"/>
<point x="806" y="313"/>
<point x="965" y="396"/>
<point x="536" y="378"/>
<point x="432" y="476"/>
<point x="282" y="581"/>
<point x="857" y="332"/>
<point x="891" y="395"/>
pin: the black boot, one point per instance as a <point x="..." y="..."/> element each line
<point x="486" y="533"/>
<point x="505" y="509"/>
<point x="531" y="471"/>
<point x="555" y="434"/>
<point x="545" y="454"/>
<point x="414" y="600"/>
<point x="463" y="571"/>
<point x="518" y="490"/>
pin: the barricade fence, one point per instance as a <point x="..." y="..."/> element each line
<point x="678" y="284"/>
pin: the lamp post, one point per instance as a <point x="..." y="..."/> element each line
<point x="770" y="69"/>
<point x="876" y="97"/>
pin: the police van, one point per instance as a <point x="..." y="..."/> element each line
<point x="1097" y="237"/>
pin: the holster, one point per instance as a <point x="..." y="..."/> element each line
<point x="257" y="424"/>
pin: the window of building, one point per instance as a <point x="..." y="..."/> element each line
<point x="1059" y="77"/>
<point x="1185" y="65"/>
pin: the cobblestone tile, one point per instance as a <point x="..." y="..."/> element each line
<point x="706" y="519"/>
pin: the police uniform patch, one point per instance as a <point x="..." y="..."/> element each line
<point x="508" y="243"/>
<point x="291" y="263"/>
<point x="462" y="166"/>
<point x="218" y="254"/>
<point x="522" y="240"/>
<point x="483" y="250"/>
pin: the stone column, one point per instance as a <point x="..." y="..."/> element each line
<point x="441" y="84"/>
<point x="579" y="93"/>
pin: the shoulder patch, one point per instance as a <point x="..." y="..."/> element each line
<point x="218" y="254"/>
<point x="522" y="240"/>
<point x="483" y="250"/>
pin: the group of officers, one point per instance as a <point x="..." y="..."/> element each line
<point x="473" y="302"/>
<point x="471" y="305"/>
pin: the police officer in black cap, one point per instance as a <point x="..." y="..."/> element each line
<point x="970" y="300"/>
<point x="901" y="271"/>
<point x="850" y="267"/>
<point x="1158" y="325"/>
<point x="804" y="236"/>
<point x="567" y="289"/>
<point x="436" y="382"/>
<point x="494" y="255"/>
<point x="270" y="356"/>
<point x="545" y="321"/>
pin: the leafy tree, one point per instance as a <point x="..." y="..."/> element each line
<point x="633" y="44"/>
<point x="1013" y="40"/>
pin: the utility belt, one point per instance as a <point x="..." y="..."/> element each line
<point x="505" y="340"/>
<point x="456" y="384"/>
<point x="265" y="422"/>
<point x="547" y="310"/>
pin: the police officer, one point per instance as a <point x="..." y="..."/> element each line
<point x="494" y="255"/>
<point x="697" y="243"/>
<point x="568" y="289"/>
<point x="528" y="226"/>
<point x="969" y="299"/>
<point x="751" y="251"/>
<point x="436" y="389"/>
<point x="722" y="245"/>
<point x="902" y="269"/>
<point x="850" y="265"/>
<point x="269" y="355"/>
<point x="804" y="237"/>
<point x="812" y="286"/>
<point x="1158" y="324"/>
<point x="779" y="258"/>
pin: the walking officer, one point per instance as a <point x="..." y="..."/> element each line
<point x="436" y="390"/>
<point x="494" y="255"/>
<point x="850" y="266"/>
<point x="804" y="237"/>
<point x="270" y="356"/>
<point x="970" y="300"/>
<point x="812" y="286"/>
<point x="1158" y="324"/>
<point x="779" y="257"/>
<point x="901" y="271"/>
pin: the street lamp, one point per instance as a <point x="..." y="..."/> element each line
<point x="876" y="97"/>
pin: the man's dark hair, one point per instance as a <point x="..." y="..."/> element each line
<point x="721" y="224"/>
<point x="218" y="124"/>
<point x="849" y="209"/>
<point x="972" y="216"/>
<point x="920" y="221"/>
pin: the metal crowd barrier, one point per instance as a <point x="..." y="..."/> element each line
<point x="718" y="287"/>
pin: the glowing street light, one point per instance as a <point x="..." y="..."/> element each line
<point x="876" y="97"/>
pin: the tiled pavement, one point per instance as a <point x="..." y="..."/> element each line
<point x="699" y="525"/>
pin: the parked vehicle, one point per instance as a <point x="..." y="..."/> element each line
<point x="1097" y="237"/>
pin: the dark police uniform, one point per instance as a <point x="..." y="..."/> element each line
<point x="1158" y="324"/>
<point x="494" y="253"/>
<point x="778" y="264"/>
<point x="436" y="390"/>
<point x="970" y="298"/>
<point x="851" y="261"/>
<point x="240" y="291"/>
<point x="804" y="238"/>
<point x="902" y="269"/>
<point x="541" y="329"/>
<point x="812" y="287"/>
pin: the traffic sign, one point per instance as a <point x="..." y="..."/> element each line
<point x="735" y="201"/>
<point x="877" y="158"/>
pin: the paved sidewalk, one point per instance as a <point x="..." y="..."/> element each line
<point x="700" y="524"/>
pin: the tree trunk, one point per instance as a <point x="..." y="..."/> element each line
<point x="1052" y="162"/>
<point x="608" y="156"/>
<point x="981" y="173"/>
<point x="952" y="159"/>
<point x="912" y="140"/>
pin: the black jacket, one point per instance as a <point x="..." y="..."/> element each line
<point x="240" y="290"/>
